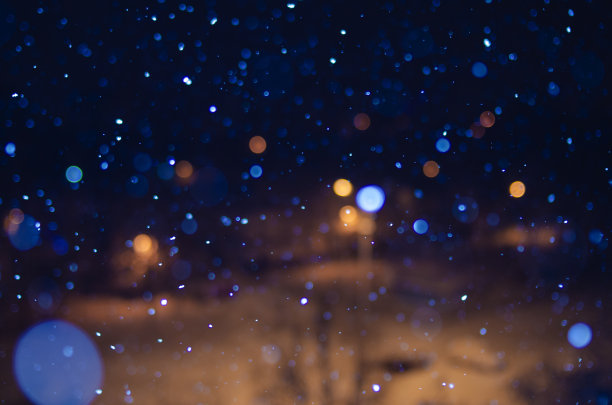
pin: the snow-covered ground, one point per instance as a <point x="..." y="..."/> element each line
<point x="362" y="334"/>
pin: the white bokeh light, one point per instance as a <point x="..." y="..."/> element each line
<point x="370" y="198"/>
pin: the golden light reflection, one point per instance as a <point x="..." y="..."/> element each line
<point x="183" y="169"/>
<point x="362" y="121"/>
<point x="257" y="144"/>
<point x="517" y="189"/>
<point x="343" y="187"/>
<point x="348" y="214"/>
<point x="143" y="244"/>
<point x="487" y="119"/>
<point x="431" y="169"/>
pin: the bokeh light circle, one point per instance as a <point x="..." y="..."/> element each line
<point x="348" y="214"/>
<point x="431" y="169"/>
<point x="465" y="209"/>
<point x="343" y="187"/>
<point x="257" y="144"/>
<point x="370" y="198"/>
<point x="479" y="70"/>
<point x="579" y="335"/>
<point x="74" y="174"/>
<point x="420" y="226"/>
<point x="362" y="121"/>
<point x="517" y="189"/>
<point x="256" y="171"/>
<point x="487" y="119"/>
<point x="56" y="363"/>
<point x="443" y="145"/>
<point x="23" y="232"/>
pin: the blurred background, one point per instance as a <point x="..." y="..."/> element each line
<point x="259" y="202"/>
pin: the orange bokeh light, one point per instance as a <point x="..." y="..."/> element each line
<point x="257" y="144"/>
<point x="343" y="187"/>
<point x="431" y="169"/>
<point x="362" y="121"/>
<point x="348" y="214"/>
<point x="517" y="189"/>
<point x="142" y="244"/>
<point x="183" y="169"/>
<point x="487" y="119"/>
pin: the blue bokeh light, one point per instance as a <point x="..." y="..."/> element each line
<point x="479" y="70"/>
<point x="579" y="335"/>
<point x="420" y="226"/>
<point x="25" y="235"/>
<point x="74" y="174"/>
<point x="57" y="363"/>
<point x="370" y="198"/>
<point x="256" y="171"/>
<point x="442" y="145"/>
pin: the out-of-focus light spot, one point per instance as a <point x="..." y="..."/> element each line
<point x="143" y="244"/>
<point x="74" y="174"/>
<point x="304" y="301"/>
<point x="15" y="217"/>
<point x="442" y="145"/>
<point x="579" y="335"/>
<point x="370" y="198"/>
<point x="348" y="214"/>
<point x="375" y="387"/>
<point x="553" y="89"/>
<point x="256" y="171"/>
<point x="343" y="187"/>
<point x="183" y="169"/>
<point x="57" y="363"/>
<point x="483" y="331"/>
<point x="23" y="230"/>
<point x="361" y="121"/>
<point x="9" y="149"/>
<point x="596" y="236"/>
<point x="551" y="198"/>
<point x="163" y="302"/>
<point x="431" y="169"/>
<point x="420" y="226"/>
<point x="487" y="119"/>
<point x="257" y="144"/>
<point x="212" y="109"/>
<point x="517" y="189"/>
<point x="479" y="70"/>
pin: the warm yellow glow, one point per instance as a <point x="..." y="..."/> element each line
<point x="184" y="169"/>
<point x="431" y="169"/>
<point x="361" y="121"/>
<point x="257" y="144"/>
<point x="517" y="189"/>
<point x="366" y="225"/>
<point x="487" y="119"/>
<point x="142" y="244"/>
<point x="343" y="187"/>
<point x="348" y="214"/>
